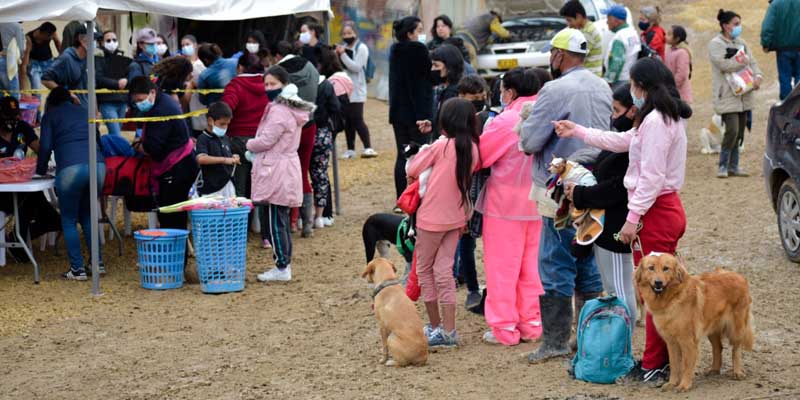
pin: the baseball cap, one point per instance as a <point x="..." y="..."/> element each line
<point x="146" y="35"/>
<point x="570" y="40"/>
<point x="616" y="11"/>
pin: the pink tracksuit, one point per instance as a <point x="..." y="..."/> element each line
<point x="511" y="228"/>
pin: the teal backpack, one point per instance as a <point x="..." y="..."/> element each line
<point x="604" y="341"/>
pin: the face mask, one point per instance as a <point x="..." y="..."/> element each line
<point x="272" y="94"/>
<point x="349" y="40"/>
<point x="144" y="105"/>
<point x="111" y="46"/>
<point x="161" y="49"/>
<point x="422" y="38"/>
<point x="644" y="25"/>
<point x="188" y="50"/>
<point x="436" y="77"/>
<point x="555" y="72"/>
<point x="637" y="101"/>
<point x="623" y="123"/>
<point x="252" y="47"/>
<point x="305" y="38"/>
<point x="220" y="132"/>
<point x="479" y="105"/>
<point x="150" y="49"/>
<point x="736" y="32"/>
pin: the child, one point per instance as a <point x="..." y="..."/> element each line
<point x="328" y="109"/>
<point x="444" y="213"/>
<point x="276" y="181"/>
<point x="214" y="155"/>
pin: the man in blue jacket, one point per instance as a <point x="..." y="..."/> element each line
<point x="69" y="69"/>
<point x="781" y="32"/>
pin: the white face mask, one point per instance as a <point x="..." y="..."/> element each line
<point x="423" y="38"/>
<point x="161" y="49"/>
<point x="252" y="47"/>
<point x="188" y="50"/>
<point x="111" y="46"/>
<point x="305" y="38"/>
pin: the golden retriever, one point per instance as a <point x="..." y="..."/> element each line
<point x="686" y="308"/>
<point x="400" y="326"/>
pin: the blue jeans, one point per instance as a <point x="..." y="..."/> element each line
<point x="561" y="273"/>
<point x="72" y="188"/>
<point x="5" y="83"/>
<point x="464" y="264"/>
<point x="113" y="109"/>
<point x="35" y="72"/>
<point x="788" y="70"/>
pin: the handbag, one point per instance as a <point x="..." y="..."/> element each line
<point x="409" y="200"/>
<point x="741" y="81"/>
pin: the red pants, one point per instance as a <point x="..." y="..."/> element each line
<point x="662" y="227"/>
<point x="307" y="137"/>
<point x="412" y="284"/>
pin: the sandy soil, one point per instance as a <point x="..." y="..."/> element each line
<point x="315" y="337"/>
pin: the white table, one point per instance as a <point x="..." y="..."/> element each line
<point x="36" y="185"/>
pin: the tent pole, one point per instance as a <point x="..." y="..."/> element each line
<point x="93" y="214"/>
<point x="336" y="199"/>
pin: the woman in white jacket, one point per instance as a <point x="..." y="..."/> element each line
<point x="354" y="55"/>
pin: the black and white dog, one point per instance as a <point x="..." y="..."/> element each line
<point x="380" y="232"/>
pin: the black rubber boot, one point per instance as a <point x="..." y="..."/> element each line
<point x="556" y="323"/>
<point x="307" y="215"/>
<point x="580" y="300"/>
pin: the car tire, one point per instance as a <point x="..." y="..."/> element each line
<point x="789" y="219"/>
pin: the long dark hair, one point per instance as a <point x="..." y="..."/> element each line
<point x="450" y="56"/>
<point x="328" y="61"/>
<point x="457" y="119"/>
<point x="654" y="77"/>
<point x="724" y="17"/>
<point x="402" y="27"/>
<point x="445" y="20"/>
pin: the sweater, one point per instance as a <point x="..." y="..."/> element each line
<point x="327" y="104"/>
<point x="64" y="131"/>
<point x="216" y="76"/>
<point x="780" y="30"/>
<point x="245" y="95"/>
<point x="69" y="71"/>
<point x="725" y="101"/>
<point x="608" y="194"/>
<point x="355" y="68"/>
<point x="594" y="41"/>
<point x="679" y="61"/>
<point x="161" y="138"/>
<point x="410" y="88"/>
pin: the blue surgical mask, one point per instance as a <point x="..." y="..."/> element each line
<point x="644" y="25"/>
<point x="150" y="49"/>
<point x="272" y="94"/>
<point x="736" y="32"/>
<point x="144" y="105"/>
<point x="188" y="50"/>
<point x="220" y="132"/>
<point x="637" y="101"/>
<point x="422" y="38"/>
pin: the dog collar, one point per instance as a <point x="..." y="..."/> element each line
<point x="384" y="285"/>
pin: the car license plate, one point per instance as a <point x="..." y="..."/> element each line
<point x="507" y="64"/>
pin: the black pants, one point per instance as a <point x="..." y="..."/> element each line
<point x="734" y="129"/>
<point x="404" y="133"/>
<point x="173" y="187"/>
<point x="280" y="234"/>
<point x="354" y="122"/>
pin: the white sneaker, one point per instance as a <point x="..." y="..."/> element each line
<point x="489" y="337"/>
<point x="319" y="223"/>
<point x="276" y="275"/>
<point x="327" y="221"/>
<point x="349" y="154"/>
<point x="369" y="153"/>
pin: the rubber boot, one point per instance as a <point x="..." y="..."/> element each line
<point x="733" y="169"/>
<point x="724" y="158"/>
<point x="580" y="300"/>
<point x="556" y="323"/>
<point x="307" y="215"/>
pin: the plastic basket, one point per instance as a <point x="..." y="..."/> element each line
<point x="220" y="246"/>
<point x="29" y="107"/>
<point x="161" y="257"/>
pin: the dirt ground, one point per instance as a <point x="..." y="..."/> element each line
<point x="316" y="337"/>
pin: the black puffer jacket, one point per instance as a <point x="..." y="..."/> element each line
<point x="410" y="88"/>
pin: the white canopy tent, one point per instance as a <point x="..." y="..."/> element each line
<point x="86" y="10"/>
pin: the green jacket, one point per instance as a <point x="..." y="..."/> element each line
<point x="780" y="29"/>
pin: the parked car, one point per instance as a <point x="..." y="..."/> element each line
<point x="782" y="170"/>
<point x="533" y="24"/>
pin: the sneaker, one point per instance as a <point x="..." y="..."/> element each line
<point x="319" y="223"/>
<point x="369" y="153"/>
<point x="101" y="268"/>
<point x="722" y="172"/>
<point x="327" y="221"/>
<point x="428" y="330"/>
<point x="489" y="337"/>
<point x="655" y="377"/>
<point x="440" y="338"/>
<point x="741" y="173"/>
<point x="473" y="300"/>
<point x="73" y="275"/>
<point x="265" y="244"/>
<point x="349" y="154"/>
<point x="276" y="275"/>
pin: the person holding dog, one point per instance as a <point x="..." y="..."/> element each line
<point x="655" y="221"/>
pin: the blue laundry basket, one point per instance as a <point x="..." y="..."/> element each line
<point x="161" y="257"/>
<point x="220" y="246"/>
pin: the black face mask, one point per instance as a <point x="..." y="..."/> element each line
<point x="349" y="40"/>
<point x="623" y="123"/>
<point x="555" y="72"/>
<point x="479" y="105"/>
<point x="272" y="94"/>
<point x="436" y="77"/>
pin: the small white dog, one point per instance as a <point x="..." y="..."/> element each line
<point x="711" y="136"/>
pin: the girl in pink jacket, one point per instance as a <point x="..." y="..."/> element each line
<point x="276" y="173"/>
<point x="443" y="214"/>
<point x="511" y="223"/>
<point x="657" y="150"/>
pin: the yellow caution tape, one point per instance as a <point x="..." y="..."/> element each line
<point x="152" y="119"/>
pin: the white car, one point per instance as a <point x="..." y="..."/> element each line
<point x="534" y="23"/>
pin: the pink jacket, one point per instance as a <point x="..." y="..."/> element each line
<point x="678" y="61"/>
<point x="341" y="84"/>
<point x="506" y="192"/>
<point x="276" y="176"/>
<point x="657" y="153"/>
<point x="441" y="209"/>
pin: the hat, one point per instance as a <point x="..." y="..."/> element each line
<point x="616" y="11"/>
<point x="9" y="107"/>
<point x="146" y="35"/>
<point x="571" y="40"/>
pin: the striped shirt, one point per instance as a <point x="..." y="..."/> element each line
<point x="594" y="58"/>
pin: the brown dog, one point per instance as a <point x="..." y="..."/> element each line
<point x="686" y="308"/>
<point x="402" y="337"/>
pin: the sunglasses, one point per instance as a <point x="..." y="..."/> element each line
<point x="111" y="40"/>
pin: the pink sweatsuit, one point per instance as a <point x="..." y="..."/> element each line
<point x="511" y="228"/>
<point x="440" y="218"/>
